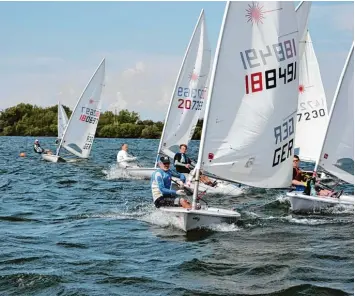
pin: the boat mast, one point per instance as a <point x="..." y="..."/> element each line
<point x="207" y="111"/>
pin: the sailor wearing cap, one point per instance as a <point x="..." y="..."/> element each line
<point x="161" y="184"/>
<point x="38" y="149"/>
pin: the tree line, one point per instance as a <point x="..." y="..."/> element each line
<point x="31" y="120"/>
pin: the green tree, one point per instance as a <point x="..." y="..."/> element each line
<point x="32" y="120"/>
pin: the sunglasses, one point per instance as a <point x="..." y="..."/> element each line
<point x="296" y="161"/>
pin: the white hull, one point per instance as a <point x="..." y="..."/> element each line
<point x="305" y="203"/>
<point x="139" y="172"/>
<point x="52" y="158"/>
<point x="187" y="219"/>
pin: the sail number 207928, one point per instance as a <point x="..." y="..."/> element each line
<point x="190" y="98"/>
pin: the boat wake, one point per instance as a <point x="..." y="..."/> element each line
<point x="149" y="214"/>
<point x="114" y="172"/>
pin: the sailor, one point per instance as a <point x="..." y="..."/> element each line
<point x="299" y="178"/>
<point x="38" y="149"/>
<point x="161" y="184"/>
<point x="183" y="165"/>
<point x="302" y="180"/>
<point x="123" y="158"/>
<point x="181" y="161"/>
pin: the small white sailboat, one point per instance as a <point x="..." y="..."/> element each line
<point x="188" y="97"/>
<point x="79" y="134"/>
<point x="187" y="102"/>
<point x="250" y="117"/>
<point x="62" y="122"/>
<point x="337" y="151"/>
<point x="312" y="113"/>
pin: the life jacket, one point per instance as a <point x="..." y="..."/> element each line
<point x="298" y="175"/>
<point x="166" y="178"/>
<point x="182" y="158"/>
<point x="37" y="148"/>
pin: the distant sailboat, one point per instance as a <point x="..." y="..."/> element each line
<point x="62" y="122"/>
<point x="250" y="117"/>
<point x="337" y="150"/>
<point x="79" y="134"/>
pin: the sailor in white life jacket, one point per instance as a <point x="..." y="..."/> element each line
<point x="38" y="149"/>
<point x="125" y="160"/>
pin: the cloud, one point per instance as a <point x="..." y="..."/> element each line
<point x="333" y="23"/>
<point x="143" y="82"/>
<point x="138" y="82"/>
<point x="331" y="68"/>
<point x="143" y="86"/>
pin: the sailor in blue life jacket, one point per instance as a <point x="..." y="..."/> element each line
<point x="161" y="184"/>
<point x="38" y="149"/>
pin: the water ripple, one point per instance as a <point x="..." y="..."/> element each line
<point x="83" y="229"/>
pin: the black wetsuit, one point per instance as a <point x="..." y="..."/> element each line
<point x="182" y="158"/>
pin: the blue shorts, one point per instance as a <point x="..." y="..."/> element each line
<point x="300" y="188"/>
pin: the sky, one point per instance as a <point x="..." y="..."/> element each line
<point x="49" y="50"/>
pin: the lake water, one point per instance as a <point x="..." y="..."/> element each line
<point x="78" y="229"/>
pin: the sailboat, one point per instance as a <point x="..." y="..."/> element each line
<point x="187" y="102"/>
<point x="312" y="114"/>
<point x="311" y="123"/>
<point x="187" y="99"/>
<point x="250" y="116"/>
<point x="62" y="122"/>
<point x="79" y="134"/>
<point x="337" y="150"/>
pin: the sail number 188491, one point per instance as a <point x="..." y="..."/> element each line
<point x="259" y="81"/>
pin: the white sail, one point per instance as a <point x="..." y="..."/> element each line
<point x="80" y="131"/>
<point x="337" y="156"/>
<point x="62" y="120"/>
<point x="189" y="94"/>
<point x="302" y="14"/>
<point x="312" y="114"/>
<point x="249" y="129"/>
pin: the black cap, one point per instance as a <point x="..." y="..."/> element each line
<point x="165" y="159"/>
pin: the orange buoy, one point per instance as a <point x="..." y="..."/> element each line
<point x="22" y="154"/>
